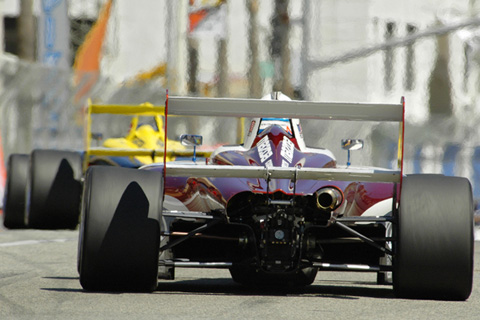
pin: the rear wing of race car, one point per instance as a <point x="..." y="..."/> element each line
<point x="289" y="109"/>
<point x="145" y="109"/>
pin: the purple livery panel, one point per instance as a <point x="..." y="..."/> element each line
<point x="272" y="148"/>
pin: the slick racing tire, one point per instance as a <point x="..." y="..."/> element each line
<point x="249" y="276"/>
<point x="119" y="231"/>
<point x="15" y="191"/>
<point x="434" y="238"/>
<point x="55" y="189"/>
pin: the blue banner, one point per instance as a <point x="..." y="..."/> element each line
<point x="53" y="48"/>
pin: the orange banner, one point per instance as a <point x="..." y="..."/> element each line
<point x="87" y="59"/>
<point x="89" y="54"/>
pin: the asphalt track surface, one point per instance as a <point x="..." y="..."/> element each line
<point x="39" y="280"/>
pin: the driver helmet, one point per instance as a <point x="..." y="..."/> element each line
<point x="283" y="123"/>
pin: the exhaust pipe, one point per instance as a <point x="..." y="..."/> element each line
<point x="328" y="198"/>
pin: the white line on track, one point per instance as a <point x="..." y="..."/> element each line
<point x="29" y="242"/>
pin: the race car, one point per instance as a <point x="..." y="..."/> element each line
<point x="275" y="212"/>
<point x="143" y="144"/>
<point x="43" y="189"/>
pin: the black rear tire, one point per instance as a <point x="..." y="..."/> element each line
<point x="55" y="189"/>
<point x="119" y="232"/>
<point x="15" y="191"/>
<point x="434" y="247"/>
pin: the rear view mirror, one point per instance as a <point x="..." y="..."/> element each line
<point x="97" y="137"/>
<point x="352" y="144"/>
<point x="191" y="140"/>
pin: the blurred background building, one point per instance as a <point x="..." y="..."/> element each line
<point x="58" y="53"/>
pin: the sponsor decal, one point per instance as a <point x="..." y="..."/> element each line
<point x="300" y="130"/>
<point x="264" y="149"/>
<point x="289" y="130"/>
<point x="287" y="149"/>
<point x="252" y="125"/>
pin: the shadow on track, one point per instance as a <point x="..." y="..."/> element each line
<point x="225" y="286"/>
<point x="61" y="278"/>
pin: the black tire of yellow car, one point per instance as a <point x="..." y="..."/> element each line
<point x="119" y="231"/>
<point x="55" y="189"/>
<point x="434" y="248"/>
<point x="249" y="276"/>
<point x="15" y="191"/>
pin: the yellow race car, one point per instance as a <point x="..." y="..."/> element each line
<point x="141" y="136"/>
<point x="43" y="188"/>
<point x="143" y="144"/>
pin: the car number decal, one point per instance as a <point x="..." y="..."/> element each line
<point x="252" y="125"/>
<point x="264" y="149"/>
<point x="287" y="149"/>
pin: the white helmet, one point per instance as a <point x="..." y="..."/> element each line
<point x="291" y="126"/>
